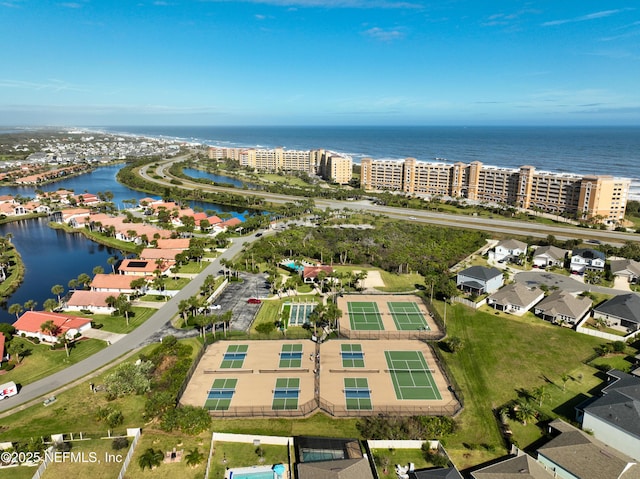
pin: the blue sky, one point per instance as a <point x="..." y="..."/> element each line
<point x="319" y="62"/>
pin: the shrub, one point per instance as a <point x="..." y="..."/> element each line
<point x="265" y="328"/>
<point x="120" y="443"/>
<point x="619" y="346"/>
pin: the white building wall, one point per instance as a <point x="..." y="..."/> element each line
<point x="611" y="435"/>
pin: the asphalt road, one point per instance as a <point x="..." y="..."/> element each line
<point x="140" y="336"/>
<point x="495" y="225"/>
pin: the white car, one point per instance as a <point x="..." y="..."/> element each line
<point x="215" y="306"/>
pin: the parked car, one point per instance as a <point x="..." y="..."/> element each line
<point x="254" y="301"/>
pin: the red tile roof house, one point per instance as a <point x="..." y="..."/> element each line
<point x="2" y="351"/>
<point x="30" y="323"/>
<point x="94" y="301"/>
<point x="113" y="283"/>
<point x="310" y="273"/>
<point x="174" y="243"/>
<point x="152" y="254"/>
<point x="141" y="267"/>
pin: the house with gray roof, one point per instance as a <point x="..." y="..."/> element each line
<point x="479" y="280"/>
<point x="561" y="307"/>
<point x="436" y="473"/>
<point x="574" y="454"/>
<point x="515" y="298"/>
<point x="521" y="466"/>
<point x="545" y="256"/>
<point x="626" y="268"/>
<point x="509" y="250"/>
<point x="586" y="259"/>
<point x="614" y="417"/>
<point x="622" y="311"/>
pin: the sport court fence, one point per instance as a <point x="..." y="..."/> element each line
<point x="450" y="409"/>
<point x="303" y="410"/>
<point x="416" y="334"/>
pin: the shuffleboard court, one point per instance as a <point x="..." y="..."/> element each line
<point x="286" y="393"/>
<point x="364" y="316"/>
<point x="412" y="379"/>
<point x="299" y="313"/>
<point x="407" y="316"/>
<point x="220" y="394"/>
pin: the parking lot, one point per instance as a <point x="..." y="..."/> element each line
<point x="234" y="298"/>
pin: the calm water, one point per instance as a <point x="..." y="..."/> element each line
<point x="583" y="150"/>
<point x="51" y="257"/>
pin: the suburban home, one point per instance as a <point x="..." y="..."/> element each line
<point x="94" y="301"/>
<point x="622" y="311"/>
<point x="614" y="417"/>
<point x="509" y="251"/>
<point x="435" y="473"/>
<point x="545" y="256"/>
<point x="586" y="260"/>
<point x="174" y="243"/>
<point x="30" y="324"/>
<point x="113" y="283"/>
<point x="3" y="353"/>
<point x="626" y="268"/>
<point x="522" y="466"/>
<point x="561" y="307"/>
<point x="515" y="298"/>
<point x="153" y="254"/>
<point x="479" y="280"/>
<point x="574" y="454"/>
<point x="310" y="273"/>
<point x="141" y="267"/>
<point x="330" y="458"/>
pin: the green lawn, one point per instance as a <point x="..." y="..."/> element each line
<point x="79" y="404"/>
<point x="233" y="454"/>
<point x="386" y="460"/>
<point x="396" y="283"/>
<point x="502" y="356"/>
<point x="43" y="362"/>
<point x="118" y="324"/>
<point x="193" y="267"/>
<point x="21" y="472"/>
<point x="86" y="463"/>
<point x="166" y="443"/>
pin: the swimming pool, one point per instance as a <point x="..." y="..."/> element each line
<point x="259" y="472"/>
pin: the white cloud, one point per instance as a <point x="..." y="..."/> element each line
<point x="585" y="18"/>
<point x="385" y="34"/>
<point x="52" y="84"/>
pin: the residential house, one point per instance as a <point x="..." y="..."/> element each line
<point x="94" y="301"/>
<point x="30" y="324"/>
<point x="622" y="311"/>
<point x="574" y="454"/>
<point x="141" y="267"/>
<point x="626" y="268"/>
<point x="3" y="353"/>
<point x="435" y="473"/>
<point x="310" y="273"/>
<point x="521" y="466"/>
<point x="330" y="458"/>
<point x="174" y="243"/>
<point x="614" y="417"/>
<point x="75" y="217"/>
<point x="561" y="307"/>
<point x="545" y="256"/>
<point x="480" y="280"/>
<point x="585" y="259"/>
<point x="153" y="254"/>
<point x="510" y="250"/>
<point x="113" y="283"/>
<point x="515" y="298"/>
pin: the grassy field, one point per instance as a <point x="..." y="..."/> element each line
<point x="228" y="454"/>
<point x="386" y="459"/>
<point x="84" y="465"/>
<point x="503" y="357"/>
<point x="43" y="362"/>
<point x="75" y="410"/>
<point x="397" y="283"/>
<point x="118" y="324"/>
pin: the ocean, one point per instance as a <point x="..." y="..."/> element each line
<point x="582" y="150"/>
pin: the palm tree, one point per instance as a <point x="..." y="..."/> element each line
<point x="16" y="309"/>
<point x="540" y="394"/>
<point x="151" y="458"/>
<point x="51" y="328"/>
<point x="30" y="305"/>
<point x="524" y="411"/>
<point x="112" y="260"/>
<point x="58" y="289"/>
<point x="98" y="270"/>
<point x="194" y="457"/>
<point x="49" y="304"/>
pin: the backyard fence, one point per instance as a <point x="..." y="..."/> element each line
<point x="450" y="409"/>
<point x="127" y="459"/>
<point x="303" y="410"/>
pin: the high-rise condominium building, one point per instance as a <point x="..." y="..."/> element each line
<point x="598" y="198"/>
<point x="328" y="165"/>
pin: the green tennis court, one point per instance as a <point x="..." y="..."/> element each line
<point x="352" y="355"/>
<point x="286" y="393"/>
<point x="407" y="316"/>
<point x="291" y="356"/>
<point x="357" y="394"/>
<point x="364" y="316"/>
<point x="220" y="394"/>
<point x="234" y="357"/>
<point x="411" y="376"/>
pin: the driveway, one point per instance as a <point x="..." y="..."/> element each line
<point x="560" y="281"/>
